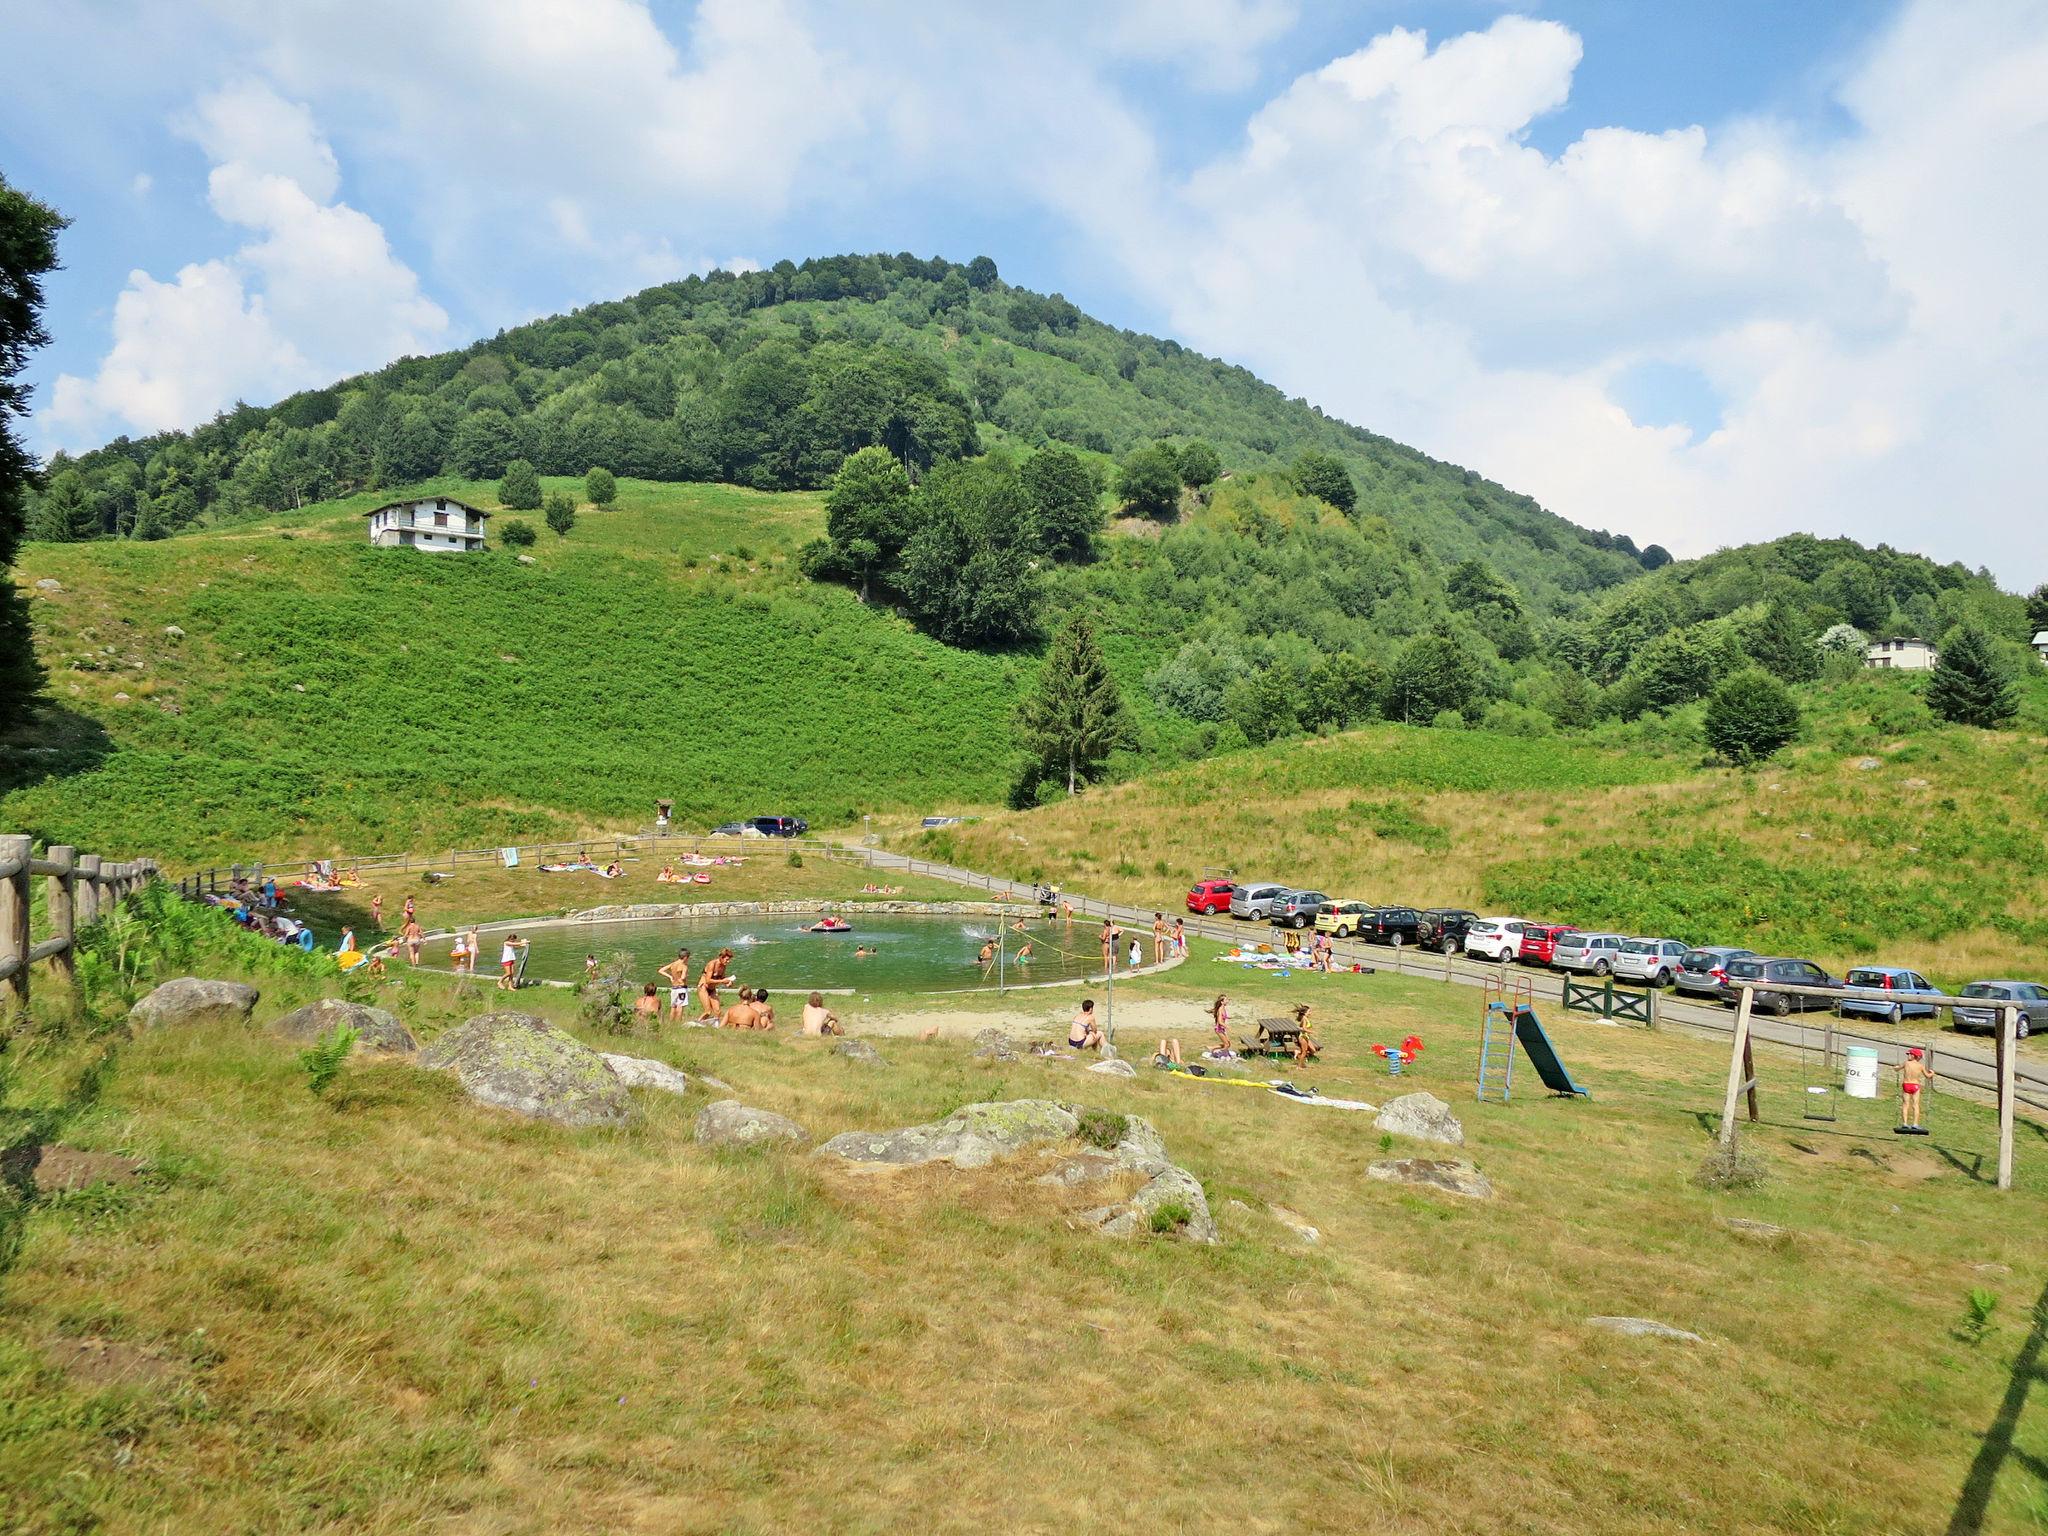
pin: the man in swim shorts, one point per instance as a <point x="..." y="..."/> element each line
<point x="677" y="974"/>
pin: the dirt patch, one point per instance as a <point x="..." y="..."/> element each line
<point x="99" y="1363"/>
<point x="56" y="1170"/>
<point x="1909" y="1167"/>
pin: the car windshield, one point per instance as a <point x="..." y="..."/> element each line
<point x="1984" y="989"/>
<point x="1639" y="947"/>
<point x="1870" y="978"/>
<point x="1746" y="969"/>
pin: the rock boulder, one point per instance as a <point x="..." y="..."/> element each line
<point x="1459" y="1178"/>
<point x="520" y="1062"/>
<point x="729" y="1123"/>
<point x="994" y="1045"/>
<point x="639" y="1072"/>
<point x="1644" y="1328"/>
<point x="376" y="1030"/>
<point x="192" y="1000"/>
<point x="1114" y="1069"/>
<point x="972" y="1137"/>
<point x="1421" y="1117"/>
<point x="858" y="1050"/>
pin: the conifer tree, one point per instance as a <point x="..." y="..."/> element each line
<point x="1076" y="716"/>
<point x="520" y="489"/>
<point x="1971" y="685"/>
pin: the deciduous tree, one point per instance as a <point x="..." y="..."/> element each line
<point x="560" y="512"/>
<point x="1149" y="481"/>
<point x="1750" y="716"/>
<point x="1324" y="477"/>
<point x="600" y="488"/>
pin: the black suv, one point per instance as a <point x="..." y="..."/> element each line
<point x="1383" y="925"/>
<point x="1444" y="928"/>
<point x="780" y="826"/>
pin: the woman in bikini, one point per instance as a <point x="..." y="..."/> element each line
<point x="1084" y="1034"/>
<point x="648" y="1004"/>
<point x="716" y="975"/>
<point x="1219" y="1019"/>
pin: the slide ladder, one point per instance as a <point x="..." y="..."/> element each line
<point x="1505" y="998"/>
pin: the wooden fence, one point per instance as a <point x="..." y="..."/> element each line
<point x="80" y="889"/>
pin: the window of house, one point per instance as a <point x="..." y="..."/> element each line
<point x="440" y="519"/>
<point x="441" y="504"/>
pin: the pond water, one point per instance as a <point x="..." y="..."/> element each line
<point x="911" y="953"/>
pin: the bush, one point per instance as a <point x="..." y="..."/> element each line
<point x="1750" y="716"/>
<point x="1102" y="1127"/>
<point x="599" y="488"/>
<point x="517" y="534"/>
<point x="1731" y="1165"/>
<point x="1171" y="1216"/>
<point x="324" y="1059"/>
<point x="560" y="513"/>
<point x="520" y="489"/>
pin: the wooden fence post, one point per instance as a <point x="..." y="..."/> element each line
<point x="15" y="850"/>
<point x="88" y="888"/>
<point x="2008" y="1058"/>
<point x="59" y="897"/>
<point x="1738" y="1057"/>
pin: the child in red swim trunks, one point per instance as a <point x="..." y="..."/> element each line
<point x="1915" y="1076"/>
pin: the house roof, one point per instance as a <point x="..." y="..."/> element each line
<point x="1904" y="640"/>
<point x="2041" y="638"/>
<point x="415" y="500"/>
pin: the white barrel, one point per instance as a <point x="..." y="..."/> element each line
<point x="1859" y="1075"/>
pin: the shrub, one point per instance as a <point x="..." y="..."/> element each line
<point x="599" y="488"/>
<point x="560" y="513"/>
<point x="1102" y="1127"/>
<point x="520" y="489"/>
<point x="604" y="1002"/>
<point x="1171" y="1216"/>
<point x="1750" y="716"/>
<point x="324" y="1059"/>
<point x="1731" y="1165"/>
<point x="517" y="534"/>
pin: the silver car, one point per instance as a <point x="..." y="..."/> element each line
<point x="1592" y="953"/>
<point x="1256" y="899"/>
<point x="2030" y="997"/>
<point x="1653" y="960"/>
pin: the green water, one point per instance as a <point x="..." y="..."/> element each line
<point x="911" y="954"/>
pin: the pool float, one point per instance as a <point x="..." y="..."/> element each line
<point x="349" y="959"/>
<point x="830" y="925"/>
<point x="701" y="879"/>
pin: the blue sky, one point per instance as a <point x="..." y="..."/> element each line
<point x="1703" y="272"/>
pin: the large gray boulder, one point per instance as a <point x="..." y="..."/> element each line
<point x="639" y="1072"/>
<point x="192" y="1000"/>
<point x="729" y="1123"/>
<point x="1644" y="1328"/>
<point x="858" y="1050"/>
<point x="520" y="1062"/>
<point x="993" y="1045"/>
<point x="376" y="1030"/>
<point x="1454" y="1176"/>
<point x="1421" y="1117"/>
<point x="972" y="1137"/>
<point x="1171" y="1203"/>
<point x="1114" y="1068"/>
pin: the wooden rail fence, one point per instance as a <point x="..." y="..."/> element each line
<point x="81" y="888"/>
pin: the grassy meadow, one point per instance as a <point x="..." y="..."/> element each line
<point x="327" y="697"/>
<point x="430" y="1315"/>
<point x="1924" y="850"/>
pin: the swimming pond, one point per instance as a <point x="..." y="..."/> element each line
<point x="910" y="953"/>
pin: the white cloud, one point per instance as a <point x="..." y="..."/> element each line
<point x="316" y="293"/>
<point x="142" y="183"/>
<point x="1217" y="42"/>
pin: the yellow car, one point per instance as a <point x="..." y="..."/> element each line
<point x="1341" y="917"/>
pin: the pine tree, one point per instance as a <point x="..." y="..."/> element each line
<point x="1076" y="716"/>
<point x="600" y="488"/>
<point x="560" y="513"/>
<point x="66" y="513"/>
<point x="520" y="489"/>
<point x="1782" y="647"/>
<point x="1971" y="684"/>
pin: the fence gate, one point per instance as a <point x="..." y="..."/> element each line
<point x="1603" y="999"/>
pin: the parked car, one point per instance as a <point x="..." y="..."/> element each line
<point x="1254" y="900"/>
<point x="1592" y="954"/>
<point x="1341" y="918"/>
<point x="1444" y="928"/>
<point x="1904" y="984"/>
<point x="1208" y="897"/>
<point x="1297" y="909"/>
<point x="1653" y="960"/>
<point x="733" y="829"/>
<point x="780" y="826"/>
<point x="1495" y="938"/>
<point x="1383" y="925"/>
<point x="1539" y="942"/>
<point x="2031" y="996"/>
<point x="1761" y="970"/>
<point x="1703" y="971"/>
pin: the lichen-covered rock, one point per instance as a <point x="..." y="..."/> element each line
<point x="1421" y="1117"/>
<point x="1459" y="1178"/>
<point x="858" y="1050"/>
<point x="1643" y="1328"/>
<point x="1171" y="1203"/>
<point x="994" y="1045"/>
<point x="1296" y="1223"/>
<point x="972" y="1137"/>
<point x="520" y="1062"/>
<point x="639" y="1072"/>
<point x="193" y="1000"/>
<point x="376" y="1030"/>
<point x="729" y="1123"/>
<point x="1114" y="1069"/>
<point x="1090" y="1165"/>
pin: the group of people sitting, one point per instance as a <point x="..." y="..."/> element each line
<point x="1322" y="954"/>
<point x="261" y="910"/>
<point x="881" y="890"/>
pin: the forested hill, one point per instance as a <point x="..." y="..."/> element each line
<point x="769" y="379"/>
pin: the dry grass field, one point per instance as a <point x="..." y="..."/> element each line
<point x="389" y="1310"/>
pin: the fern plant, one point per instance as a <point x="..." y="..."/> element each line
<point x="323" y="1060"/>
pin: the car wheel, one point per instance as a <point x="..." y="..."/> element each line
<point x="2024" y="1028"/>
<point x="1301" y="922"/>
<point x="1449" y="946"/>
<point x="1601" y="968"/>
<point x="1897" y="1015"/>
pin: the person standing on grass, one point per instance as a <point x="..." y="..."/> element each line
<point x="1158" y="938"/>
<point x="1219" y="1019"/>
<point x="508" y="960"/>
<point x="408" y="909"/>
<point x="677" y="974"/>
<point x="1915" y="1078"/>
<point x="377" y="913"/>
<point x="1180" y="939"/>
<point x="716" y="975"/>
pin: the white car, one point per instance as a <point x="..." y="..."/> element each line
<point x="1592" y="953"/>
<point x="1653" y="960"/>
<point x="1495" y="938"/>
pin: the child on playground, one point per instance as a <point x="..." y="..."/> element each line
<point x="1915" y="1078"/>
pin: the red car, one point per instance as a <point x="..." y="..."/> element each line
<point x="1210" y="897"/>
<point x="1539" y="942"/>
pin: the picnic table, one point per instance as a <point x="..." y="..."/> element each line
<point x="1277" y="1037"/>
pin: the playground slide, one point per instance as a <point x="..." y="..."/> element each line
<point x="1543" y="1055"/>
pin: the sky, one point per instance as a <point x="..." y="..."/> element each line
<point x="1704" y="271"/>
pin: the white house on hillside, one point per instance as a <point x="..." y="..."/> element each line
<point x="1902" y="655"/>
<point x="2041" y="645"/>
<point x="438" y="523"/>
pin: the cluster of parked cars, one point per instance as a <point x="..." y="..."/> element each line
<point x="763" y="826"/>
<point x="1715" y="971"/>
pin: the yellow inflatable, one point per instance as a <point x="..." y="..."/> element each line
<point x="349" y="959"/>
